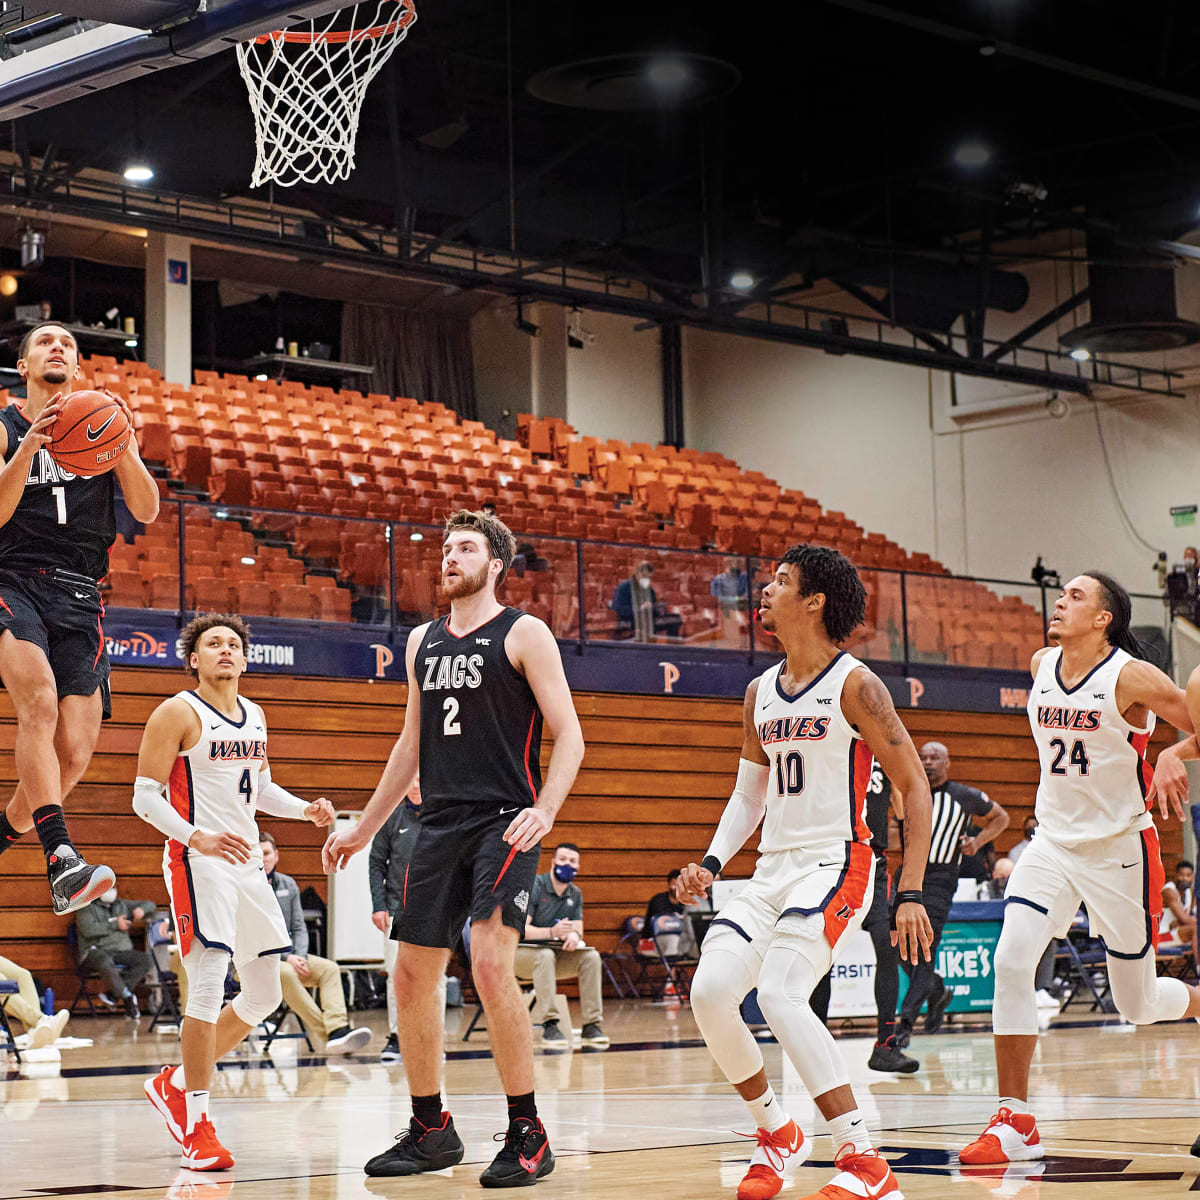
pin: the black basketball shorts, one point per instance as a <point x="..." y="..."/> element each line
<point x="879" y="914"/>
<point x="461" y="867"/>
<point x="60" y="612"/>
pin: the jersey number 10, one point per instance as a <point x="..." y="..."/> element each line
<point x="789" y="772"/>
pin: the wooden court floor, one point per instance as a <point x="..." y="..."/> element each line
<point x="1118" y="1110"/>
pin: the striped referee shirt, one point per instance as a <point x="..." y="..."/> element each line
<point x="954" y="804"/>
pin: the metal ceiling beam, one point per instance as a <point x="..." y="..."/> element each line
<point x="865" y="297"/>
<point x="1037" y="58"/>
<point x="780" y="323"/>
<point x="1043" y="322"/>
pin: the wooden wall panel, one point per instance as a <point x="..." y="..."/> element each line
<point x="654" y="781"/>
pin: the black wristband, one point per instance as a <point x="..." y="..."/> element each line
<point x="710" y="862"/>
<point x="910" y="898"/>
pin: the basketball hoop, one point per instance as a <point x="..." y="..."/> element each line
<point x="306" y="90"/>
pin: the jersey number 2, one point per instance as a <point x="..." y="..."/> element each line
<point x="1077" y="758"/>
<point x="245" y="789"/>
<point x="789" y="773"/>
<point x="450" y="725"/>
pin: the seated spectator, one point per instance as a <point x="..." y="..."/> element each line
<point x="662" y="903"/>
<point x="731" y="588"/>
<point x="1000" y="873"/>
<point x="1029" y="825"/>
<point x="1179" y="918"/>
<point x="391" y="850"/>
<point x="299" y="970"/>
<point x="556" y="914"/>
<point x="104" y="945"/>
<point x="638" y="611"/>
<point x="24" y="1007"/>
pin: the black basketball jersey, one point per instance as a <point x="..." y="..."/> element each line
<point x="879" y="801"/>
<point x="481" y="728"/>
<point x="61" y="520"/>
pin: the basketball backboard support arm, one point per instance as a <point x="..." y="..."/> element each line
<point x="106" y="55"/>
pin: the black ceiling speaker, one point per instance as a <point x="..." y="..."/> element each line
<point x="1132" y="300"/>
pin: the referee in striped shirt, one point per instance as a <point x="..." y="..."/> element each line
<point x="954" y="805"/>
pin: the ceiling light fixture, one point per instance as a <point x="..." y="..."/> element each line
<point x="742" y="280"/>
<point x="8" y="285"/>
<point x="1081" y="354"/>
<point x="972" y="154"/>
<point x="139" y="171"/>
<point x="668" y="72"/>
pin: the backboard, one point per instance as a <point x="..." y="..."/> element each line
<point x="48" y="57"/>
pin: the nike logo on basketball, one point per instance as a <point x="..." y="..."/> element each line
<point x="93" y="434"/>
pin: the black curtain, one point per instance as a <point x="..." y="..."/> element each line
<point x="423" y="355"/>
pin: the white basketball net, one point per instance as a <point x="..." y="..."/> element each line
<point x="306" y="90"/>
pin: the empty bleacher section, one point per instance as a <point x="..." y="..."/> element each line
<point x="333" y="465"/>
<point x="654" y="781"/>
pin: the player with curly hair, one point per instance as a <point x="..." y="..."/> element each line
<point x="812" y="724"/>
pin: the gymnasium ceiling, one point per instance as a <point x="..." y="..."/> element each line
<point x="831" y="159"/>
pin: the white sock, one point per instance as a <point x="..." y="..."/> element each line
<point x="177" y="1079"/>
<point x="197" y="1109"/>
<point x="850" y="1129"/>
<point x="1014" y="1105"/>
<point x="767" y="1112"/>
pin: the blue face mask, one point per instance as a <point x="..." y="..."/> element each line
<point x="564" y="872"/>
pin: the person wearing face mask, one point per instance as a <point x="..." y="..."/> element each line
<point x="391" y="850"/>
<point x="105" y="945"/>
<point x="556" y="915"/>
<point x="1029" y="827"/>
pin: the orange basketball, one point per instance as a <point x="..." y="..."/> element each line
<point x="90" y="434"/>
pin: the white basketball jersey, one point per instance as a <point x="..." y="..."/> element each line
<point x="215" y="783"/>
<point x="1094" y="770"/>
<point x="819" y="766"/>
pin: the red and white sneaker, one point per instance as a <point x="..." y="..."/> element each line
<point x="169" y="1100"/>
<point x="1010" y="1137"/>
<point x="202" y="1151"/>
<point x="773" y="1160"/>
<point x="864" y="1176"/>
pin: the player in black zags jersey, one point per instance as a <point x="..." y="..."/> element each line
<point x="480" y="683"/>
<point x="55" y="533"/>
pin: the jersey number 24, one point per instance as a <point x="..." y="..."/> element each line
<point x="1076" y="757"/>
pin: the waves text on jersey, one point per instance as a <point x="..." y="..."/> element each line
<point x="236" y="749"/>
<point x="1083" y="719"/>
<point x="785" y="729"/>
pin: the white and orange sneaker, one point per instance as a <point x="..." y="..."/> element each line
<point x="772" y="1161"/>
<point x="1010" y="1137"/>
<point x="169" y="1100"/>
<point x="861" y="1176"/>
<point x="202" y="1151"/>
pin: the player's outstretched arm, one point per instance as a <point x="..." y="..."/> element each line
<point x="742" y="814"/>
<point x="277" y="801"/>
<point x="138" y="487"/>
<point x="534" y="652"/>
<point x="398" y="774"/>
<point x="170" y="730"/>
<point x="16" y="469"/>
<point x="867" y="705"/>
<point x="1170" y="785"/>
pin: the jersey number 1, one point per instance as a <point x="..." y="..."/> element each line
<point x="60" y="503"/>
<point x="1077" y="758"/>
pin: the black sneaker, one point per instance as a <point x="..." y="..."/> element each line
<point x="74" y="884"/>
<point x="887" y="1056"/>
<point x="552" y="1035"/>
<point x="391" y="1050"/>
<point x="594" y="1035"/>
<point x="525" y="1159"/>
<point x="903" y="1034"/>
<point x="131" y="1008"/>
<point x="935" y="1013"/>
<point x="420" y="1149"/>
<point x="346" y="1040"/>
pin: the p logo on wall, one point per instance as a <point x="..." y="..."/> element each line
<point x="670" y="677"/>
<point x="383" y="659"/>
<point x="916" y="689"/>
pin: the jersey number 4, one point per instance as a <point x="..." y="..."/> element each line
<point x="789" y="773"/>
<point x="1077" y="757"/>
<point x="245" y="787"/>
